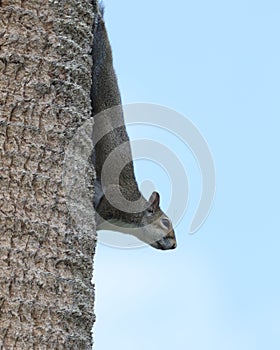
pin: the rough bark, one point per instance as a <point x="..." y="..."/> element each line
<point x="46" y="295"/>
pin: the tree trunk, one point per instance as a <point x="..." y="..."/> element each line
<point x="46" y="295"/>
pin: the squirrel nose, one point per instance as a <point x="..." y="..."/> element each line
<point x="172" y="243"/>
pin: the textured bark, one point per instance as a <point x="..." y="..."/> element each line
<point x="46" y="295"/>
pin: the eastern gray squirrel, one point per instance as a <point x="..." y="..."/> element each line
<point x="118" y="203"/>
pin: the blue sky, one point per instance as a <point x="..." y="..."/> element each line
<point x="218" y="64"/>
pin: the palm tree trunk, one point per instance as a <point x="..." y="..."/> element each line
<point x="46" y="261"/>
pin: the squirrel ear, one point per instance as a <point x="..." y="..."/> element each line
<point x="154" y="200"/>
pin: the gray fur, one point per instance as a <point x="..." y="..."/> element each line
<point x="145" y="223"/>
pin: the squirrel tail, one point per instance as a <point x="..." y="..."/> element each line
<point x="98" y="9"/>
<point x="101" y="8"/>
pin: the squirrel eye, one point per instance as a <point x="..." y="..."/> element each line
<point x="166" y="223"/>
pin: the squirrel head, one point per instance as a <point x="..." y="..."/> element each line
<point x="150" y="225"/>
<point x="157" y="228"/>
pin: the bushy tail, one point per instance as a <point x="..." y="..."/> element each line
<point x="101" y="8"/>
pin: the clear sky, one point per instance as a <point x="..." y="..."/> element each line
<point x="217" y="63"/>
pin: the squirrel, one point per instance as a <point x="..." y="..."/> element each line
<point x="118" y="202"/>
